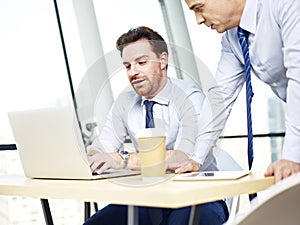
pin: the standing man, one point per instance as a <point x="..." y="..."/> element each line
<point x="273" y="28"/>
<point x="177" y="109"/>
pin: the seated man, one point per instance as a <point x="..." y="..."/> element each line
<point x="177" y="109"/>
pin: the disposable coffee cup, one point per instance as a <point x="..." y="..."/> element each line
<point x="152" y="152"/>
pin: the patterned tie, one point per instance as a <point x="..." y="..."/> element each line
<point x="149" y="114"/>
<point x="243" y="37"/>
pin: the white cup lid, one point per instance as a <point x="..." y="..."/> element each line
<point x="150" y="132"/>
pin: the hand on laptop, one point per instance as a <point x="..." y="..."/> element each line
<point x="99" y="161"/>
<point x="176" y="161"/>
<point x="180" y="162"/>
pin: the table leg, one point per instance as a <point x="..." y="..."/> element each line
<point x="195" y="215"/>
<point x="133" y="215"/>
<point x="47" y="212"/>
<point x="87" y="210"/>
<point x="96" y="206"/>
<point x="252" y="196"/>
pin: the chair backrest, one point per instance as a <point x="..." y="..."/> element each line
<point x="280" y="206"/>
<point x="225" y="161"/>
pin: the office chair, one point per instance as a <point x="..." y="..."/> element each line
<point x="280" y="206"/>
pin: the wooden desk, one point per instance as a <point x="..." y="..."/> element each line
<point x="132" y="191"/>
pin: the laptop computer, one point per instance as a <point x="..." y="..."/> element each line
<point x="50" y="145"/>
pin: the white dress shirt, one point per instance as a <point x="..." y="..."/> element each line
<point x="274" y="48"/>
<point x="177" y="111"/>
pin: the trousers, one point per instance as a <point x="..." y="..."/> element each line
<point x="212" y="213"/>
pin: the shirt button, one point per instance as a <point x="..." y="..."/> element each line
<point x="274" y="84"/>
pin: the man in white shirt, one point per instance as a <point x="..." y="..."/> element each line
<point x="274" y="50"/>
<point x="178" y="110"/>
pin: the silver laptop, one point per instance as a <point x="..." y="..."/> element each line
<point x="50" y="145"/>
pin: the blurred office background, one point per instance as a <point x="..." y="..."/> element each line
<point x="33" y="74"/>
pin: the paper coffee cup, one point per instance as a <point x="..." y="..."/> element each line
<point x="152" y="151"/>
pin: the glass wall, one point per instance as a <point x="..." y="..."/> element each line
<point x="33" y="74"/>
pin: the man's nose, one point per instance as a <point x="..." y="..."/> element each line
<point x="199" y="19"/>
<point x="133" y="71"/>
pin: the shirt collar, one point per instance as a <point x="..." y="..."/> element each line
<point x="163" y="96"/>
<point x="248" y="19"/>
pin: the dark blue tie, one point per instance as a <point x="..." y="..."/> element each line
<point x="243" y="38"/>
<point x="156" y="214"/>
<point x="149" y="114"/>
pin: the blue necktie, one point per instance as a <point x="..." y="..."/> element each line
<point x="156" y="214"/>
<point x="149" y="114"/>
<point x="243" y="38"/>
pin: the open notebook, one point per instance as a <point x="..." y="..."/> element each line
<point x="50" y="145"/>
<point x="211" y="175"/>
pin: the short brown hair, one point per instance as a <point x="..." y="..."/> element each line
<point x="156" y="41"/>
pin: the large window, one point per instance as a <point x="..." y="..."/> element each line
<point x="33" y="72"/>
<point x="33" y="75"/>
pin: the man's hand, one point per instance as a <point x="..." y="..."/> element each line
<point x="99" y="161"/>
<point x="180" y="162"/>
<point x="282" y="169"/>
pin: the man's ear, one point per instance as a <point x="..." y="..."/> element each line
<point x="164" y="60"/>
